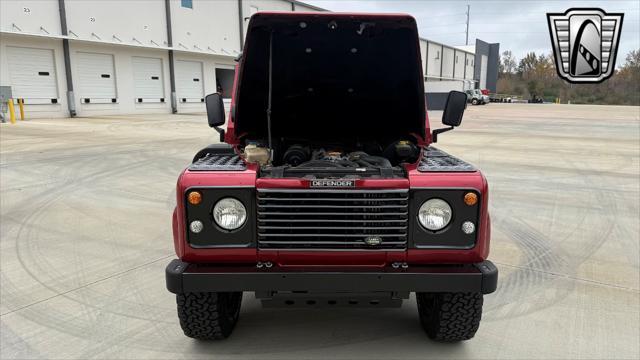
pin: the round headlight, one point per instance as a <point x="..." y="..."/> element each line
<point x="229" y="213"/>
<point x="434" y="214"/>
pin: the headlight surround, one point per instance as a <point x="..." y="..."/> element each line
<point x="229" y="213"/>
<point x="435" y="214"/>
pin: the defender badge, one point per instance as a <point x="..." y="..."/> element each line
<point x="585" y="43"/>
<point x="330" y="183"/>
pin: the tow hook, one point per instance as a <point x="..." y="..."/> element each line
<point x="267" y="265"/>
<point x="397" y="265"/>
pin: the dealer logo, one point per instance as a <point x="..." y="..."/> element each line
<point x="328" y="183"/>
<point x="585" y="43"/>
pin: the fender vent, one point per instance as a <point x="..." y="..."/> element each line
<point x="435" y="160"/>
<point x="218" y="162"/>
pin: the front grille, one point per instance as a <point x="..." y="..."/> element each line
<point x="305" y="219"/>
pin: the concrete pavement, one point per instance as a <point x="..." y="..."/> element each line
<point x="85" y="235"/>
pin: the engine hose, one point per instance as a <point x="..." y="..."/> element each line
<point x="319" y="163"/>
<point x="373" y="160"/>
<point x="347" y="163"/>
<point x="382" y="162"/>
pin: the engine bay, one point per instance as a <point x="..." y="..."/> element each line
<point x="316" y="161"/>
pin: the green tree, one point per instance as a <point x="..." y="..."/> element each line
<point x="507" y="62"/>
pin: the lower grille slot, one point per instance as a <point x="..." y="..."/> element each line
<point x="300" y="219"/>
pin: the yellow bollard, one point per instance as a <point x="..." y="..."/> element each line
<point x="21" y="105"/>
<point x="12" y="111"/>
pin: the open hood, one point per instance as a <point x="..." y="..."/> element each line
<point x="334" y="77"/>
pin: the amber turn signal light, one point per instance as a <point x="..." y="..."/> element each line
<point x="470" y="198"/>
<point x="194" y="198"/>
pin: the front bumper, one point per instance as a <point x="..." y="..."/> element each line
<point x="183" y="277"/>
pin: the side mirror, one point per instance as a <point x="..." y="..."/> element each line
<point x="454" y="108"/>
<point x="215" y="112"/>
<point x="453" y="111"/>
<point x="215" y="109"/>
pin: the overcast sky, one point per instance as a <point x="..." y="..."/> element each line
<point x="519" y="26"/>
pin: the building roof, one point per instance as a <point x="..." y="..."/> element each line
<point x="469" y="48"/>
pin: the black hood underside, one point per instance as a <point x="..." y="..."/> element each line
<point x="335" y="77"/>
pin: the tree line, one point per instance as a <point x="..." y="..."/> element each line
<point x="535" y="76"/>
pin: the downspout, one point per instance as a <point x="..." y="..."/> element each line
<point x="172" y="74"/>
<point x="241" y="23"/>
<point x="71" y="102"/>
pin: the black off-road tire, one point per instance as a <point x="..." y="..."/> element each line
<point x="208" y="316"/>
<point x="474" y="101"/>
<point x="450" y="317"/>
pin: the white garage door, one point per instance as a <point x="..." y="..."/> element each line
<point x="33" y="75"/>
<point x="96" y="76"/>
<point x="189" y="87"/>
<point x="147" y="79"/>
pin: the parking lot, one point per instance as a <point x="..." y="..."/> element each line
<point x="86" y="234"/>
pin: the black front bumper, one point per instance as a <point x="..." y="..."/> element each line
<point x="183" y="277"/>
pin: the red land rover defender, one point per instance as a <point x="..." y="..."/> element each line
<point x="326" y="190"/>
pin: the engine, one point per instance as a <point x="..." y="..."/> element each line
<point x="322" y="158"/>
<point x="302" y="160"/>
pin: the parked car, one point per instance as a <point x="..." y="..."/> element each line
<point x="535" y="99"/>
<point x="485" y="99"/>
<point x="503" y="98"/>
<point x="476" y="97"/>
<point x="328" y="192"/>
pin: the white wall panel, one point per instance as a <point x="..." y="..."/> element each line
<point x="210" y="26"/>
<point x="483" y="71"/>
<point x="470" y="66"/>
<point x="30" y="16"/>
<point x="249" y="7"/>
<point x="434" y="58"/>
<point x="136" y="22"/>
<point x="423" y="55"/>
<point x="459" y="58"/>
<point x="444" y="86"/>
<point x="447" y="62"/>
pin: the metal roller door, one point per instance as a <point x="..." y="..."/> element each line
<point x="147" y="79"/>
<point x="189" y="84"/>
<point x="32" y="74"/>
<point x="96" y="77"/>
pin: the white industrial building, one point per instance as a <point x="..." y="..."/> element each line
<point x="96" y="57"/>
